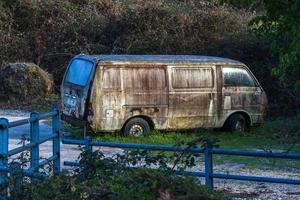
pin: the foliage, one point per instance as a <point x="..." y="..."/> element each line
<point x="280" y="26"/>
<point x="284" y="130"/>
<point x="102" y="177"/>
<point x="49" y="33"/>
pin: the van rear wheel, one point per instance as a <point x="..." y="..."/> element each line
<point x="236" y="123"/>
<point x="136" y="127"/>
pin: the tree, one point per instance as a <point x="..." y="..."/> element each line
<point x="280" y="26"/>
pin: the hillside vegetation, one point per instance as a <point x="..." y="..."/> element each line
<point x="49" y="33"/>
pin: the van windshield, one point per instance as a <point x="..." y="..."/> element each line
<point x="79" y="72"/>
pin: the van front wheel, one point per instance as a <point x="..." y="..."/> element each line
<point x="236" y="122"/>
<point x="136" y="127"/>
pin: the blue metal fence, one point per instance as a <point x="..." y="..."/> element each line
<point x="208" y="159"/>
<point x="35" y="162"/>
<point x="33" y="146"/>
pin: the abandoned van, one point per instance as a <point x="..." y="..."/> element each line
<point x="138" y="93"/>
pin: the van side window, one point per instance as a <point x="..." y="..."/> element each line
<point x="237" y="77"/>
<point x="144" y="78"/>
<point x="192" y="78"/>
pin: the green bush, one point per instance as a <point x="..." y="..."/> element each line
<point x="280" y="26"/>
<point x="137" y="184"/>
<point x="100" y="177"/>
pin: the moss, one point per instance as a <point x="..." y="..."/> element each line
<point x="24" y="83"/>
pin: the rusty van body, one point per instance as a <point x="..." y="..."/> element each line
<point x="137" y="93"/>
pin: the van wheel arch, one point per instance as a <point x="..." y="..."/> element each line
<point x="244" y="114"/>
<point x="148" y="119"/>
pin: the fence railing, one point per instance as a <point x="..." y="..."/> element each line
<point x="35" y="163"/>
<point x="208" y="159"/>
<point x="32" y="146"/>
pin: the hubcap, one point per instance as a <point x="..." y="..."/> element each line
<point x="240" y="126"/>
<point x="136" y="130"/>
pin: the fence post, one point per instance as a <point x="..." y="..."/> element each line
<point x="208" y="167"/>
<point x="4" y="153"/>
<point x="88" y="146"/>
<point x="56" y="142"/>
<point x="34" y="139"/>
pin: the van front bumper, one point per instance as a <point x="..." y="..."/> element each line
<point x="74" y="121"/>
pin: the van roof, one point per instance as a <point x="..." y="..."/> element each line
<point x="166" y="59"/>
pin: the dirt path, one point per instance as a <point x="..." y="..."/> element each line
<point x="240" y="189"/>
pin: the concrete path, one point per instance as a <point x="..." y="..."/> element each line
<point x="68" y="152"/>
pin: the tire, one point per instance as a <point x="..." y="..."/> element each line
<point x="236" y="123"/>
<point x="136" y="127"/>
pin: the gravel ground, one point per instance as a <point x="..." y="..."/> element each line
<point x="239" y="189"/>
<point x="13" y="113"/>
<point x="256" y="190"/>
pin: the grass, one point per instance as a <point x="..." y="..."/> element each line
<point x="280" y="135"/>
<point x="263" y="137"/>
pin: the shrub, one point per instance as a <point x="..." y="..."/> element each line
<point x="100" y="177"/>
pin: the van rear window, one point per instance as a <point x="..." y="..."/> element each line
<point x="79" y="72"/>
